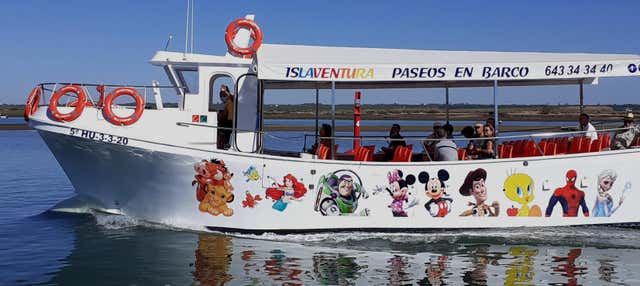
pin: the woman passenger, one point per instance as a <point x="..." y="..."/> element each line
<point x="486" y="148"/>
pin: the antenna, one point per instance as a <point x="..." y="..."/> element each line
<point x="193" y="4"/>
<point x="186" y="32"/>
<point x="166" y="46"/>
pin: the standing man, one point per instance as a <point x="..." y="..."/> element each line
<point x="225" y="118"/>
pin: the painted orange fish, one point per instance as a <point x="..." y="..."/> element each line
<point x="251" y="201"/>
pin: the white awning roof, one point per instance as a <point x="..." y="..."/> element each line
<point x="309" y="66"/>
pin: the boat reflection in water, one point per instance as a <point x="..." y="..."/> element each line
<point x="213" y="260"/>
<point x="115" y="252"/>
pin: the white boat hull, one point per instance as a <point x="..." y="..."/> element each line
<point x="158" y="183"/>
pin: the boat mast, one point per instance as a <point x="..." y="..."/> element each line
<point x="495" y="115"/>
<point x="333" y="118"/>
<point x="581" y="96"/>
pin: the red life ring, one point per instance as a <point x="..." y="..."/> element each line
<point x="256" y="35"/>
<point x="33" y="102"/>
<point x="123" y="121"/>
<point x="77" y="111"/>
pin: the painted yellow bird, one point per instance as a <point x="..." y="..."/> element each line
<point x="519" y="188"/>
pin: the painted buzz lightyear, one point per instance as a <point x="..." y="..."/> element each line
<point x="338" y="194"/>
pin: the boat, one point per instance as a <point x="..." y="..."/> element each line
<point x="163" y="164"/>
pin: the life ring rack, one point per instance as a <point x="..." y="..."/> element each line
<point x="77" y="110"/>
<point x="256" y="35"/>
<point x="114" y="119"/>
<point x="33" y="102"/>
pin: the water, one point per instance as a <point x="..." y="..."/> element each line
<point x="38" y="246"/>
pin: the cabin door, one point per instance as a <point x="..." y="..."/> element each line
<point x="247" y="116"/>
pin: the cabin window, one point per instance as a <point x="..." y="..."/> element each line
<point x="215" y="104"/>
<point x="189" y="79"/>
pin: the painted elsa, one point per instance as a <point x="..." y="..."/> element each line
<point x="604" y="201"/>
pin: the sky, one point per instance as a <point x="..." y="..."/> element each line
<point x="112" y="41"/>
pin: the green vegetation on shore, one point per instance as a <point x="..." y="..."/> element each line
<point x="470" y="112"/>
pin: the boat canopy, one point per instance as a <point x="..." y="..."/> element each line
<point x="299" y="67"/>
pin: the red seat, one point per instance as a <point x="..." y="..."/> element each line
<point x="540" y="149"/>
<point x="596" y="146"/>
<point x="563" y="145"/>
<point x="507" y="152"/>
<point x="585" y="145"/>
<point x="402" y="154"/>
<point x="550" y="149"/>
<point x="363" y="154"/>
<point x="462" y="154"/>
<point x="322" y="152"/>
<point x="574" y="145"/>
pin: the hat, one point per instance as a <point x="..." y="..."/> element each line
<point x="474" y="175"/>
<point x="437" y="124"/>
<point x="628" y="116"/>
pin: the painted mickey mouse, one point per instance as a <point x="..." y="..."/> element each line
<point x="398" y="189"/>
<point x="435" y="188"/>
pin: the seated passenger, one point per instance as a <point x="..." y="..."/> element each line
<point x="448" y="129"/>
<point x="586" y="126"/>
<point x="429" y="145"/>
<point x="325" y="131"/>
<point x="624" y="138"/>
<point x="486" y="147"/>
<point x="445" y="149"/>
<point x="491" y="121"/>
<point x="396" y="140"/>
<point x="475" y="145"/>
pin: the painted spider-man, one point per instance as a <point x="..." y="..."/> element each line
<point x="570" y="198"/>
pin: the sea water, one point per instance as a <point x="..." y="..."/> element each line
<point x="39" y="246"/>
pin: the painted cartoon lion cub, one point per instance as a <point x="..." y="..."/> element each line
<point x="214" y="188"/>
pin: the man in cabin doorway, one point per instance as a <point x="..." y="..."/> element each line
<point x="624" y="138"/>
<point x="587" y="127"/>
<point x="225" y="118"/>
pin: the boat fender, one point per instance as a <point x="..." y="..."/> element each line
<point x="128" y="120"/>
<point x="32" y="102"/>
<point x="80" y="103"/>
<point x="256" y="35"/>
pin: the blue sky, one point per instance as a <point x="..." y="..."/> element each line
<point x="112" y="41"/>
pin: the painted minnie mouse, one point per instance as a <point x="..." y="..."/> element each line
<point x="398" y="189"/>
<point x="435" y="188"/>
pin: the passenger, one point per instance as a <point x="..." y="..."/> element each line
<point x="396" y="140"/>
<point x="475" y="145"/>
<point x="624" y="138"/>
<point x="225" y="118"/>
<point x="429" y="145"/>
<point x="491" y="121"/>
<point x="325" y="131"/>
<point x="486" y="149"/>
<point x="448" y="129"/>
<point x="586" y="126"/>
<point x="467" y="132"/>
<point x="445" y="149"/>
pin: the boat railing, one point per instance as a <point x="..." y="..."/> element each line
<point x="534" y="144"/>
<point x="93" y="91"/>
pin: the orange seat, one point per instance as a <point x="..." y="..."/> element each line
<point x="402" y="154"/>
<point x="462" y="154"/>
<point x="363" y="154"/>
